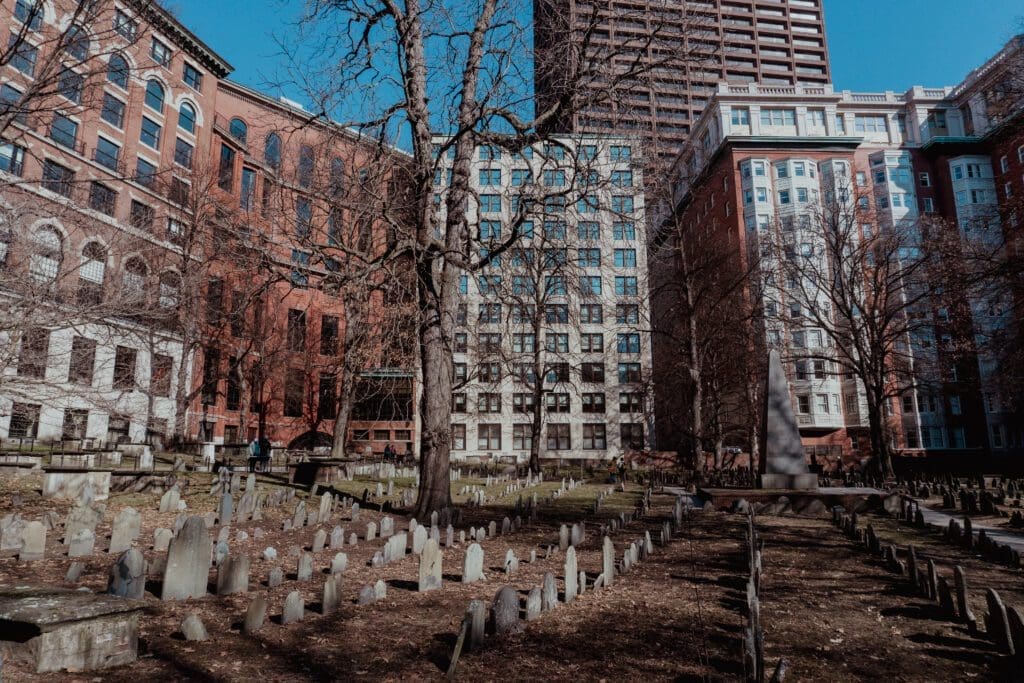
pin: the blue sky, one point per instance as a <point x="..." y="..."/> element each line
<point x="875" y="44"/>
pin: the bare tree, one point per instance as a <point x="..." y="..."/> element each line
<point x="363" y="41"/>
<point x="870" y="287"/>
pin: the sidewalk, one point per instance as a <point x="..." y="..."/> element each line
<point x="941" y="520"/>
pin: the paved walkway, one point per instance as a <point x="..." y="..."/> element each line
<point x="941" y="519"/>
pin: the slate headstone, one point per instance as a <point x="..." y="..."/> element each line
<point x="188" y="562"/>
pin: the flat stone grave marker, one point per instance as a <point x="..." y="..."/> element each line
<point x="69" y="629"/>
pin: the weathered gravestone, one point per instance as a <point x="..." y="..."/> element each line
<point x="331" y="597"/>
<point x="534" y="604"/>
<point x="571" y="571"/>
<point x="127" y="527"/>
<point x="304" y="571"/>
<point x="255" y="614"/>
<point x="188" y="562"/>
<point x="162" y="540"/>
<point x="505" y="611"/>
<point x="419" y="539"/>
<point x="275" y="577"/>
<point x="11" y="528"/>
<point x="395" y="548"/>
<point x="233" y="575"/>
<point x="33" y="542"/>
<point x="294" y="609"/>
<point x="82" y="543"/>
<point x="82" y="517"/>
<point x="549" y="596"/>
<point x="319" y="539"/>
<point x="339" y="564"/>
<point x="608" y="561"/>
<point x="169" y="501"/>
<point x="337" y="538"/>
<point x="128" y="575"/>
<point x="430" y="567"/>
<point x="473" y="564"/>
<point x="192" y="628"/>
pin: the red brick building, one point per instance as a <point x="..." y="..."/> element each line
<point x="173" y="257"/>
<point x="766" y="156"/>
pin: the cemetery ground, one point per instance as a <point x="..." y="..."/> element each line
<point x="828" y="608"/>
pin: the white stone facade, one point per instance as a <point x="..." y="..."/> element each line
<point x="591" y="225"/>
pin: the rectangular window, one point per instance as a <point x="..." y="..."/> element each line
<point x="622" y="179"/>
<point x="559" y="437"/>
<point x="83" y="360"/>
<point x="113" y="111"/>
<point x="622" y="205"/>
<point x="24" y="421"/>
<point x="629" y="373"/>
<point x="12" y="158"/>
<point x="592" y="403"/>
<point x="124" y="368"/>
<point x="125" y="25"/>
<point x="740" y="116"/>
<point x="521" y="176"/>
<point x="75" y="424"/>
<point x="161" y="373"/>
<point x="294" y="392"/>
<point x="145" y="173"/>
<point x="591" y="314"/>
<point x="34" y="353"/>
<point x="592" y="372"/>
<point x="590" y="285"/>
<point x="625" y="286"/>
<point x="594" y="437"/>
<point x="64" y="131"/>
<point x="625" y="258"/>
<point x="557" y="342"/>
<point x="160" y="53"/>
<point x="522" y="437"/>
<point x="193" y="77"/>
<point x="183" y="154"/>
<point x="22" y="55"/>
<point x="141" y="216"/>
<point x="592" y="343"/>
<point x="778" y="117"/>
<point x="296" y="330"/>
<point x="102" y="198"/>
<point x="523" y="343"/>
<point x="557" y="372"/>
<point x="490" y="176"/>
<point x="628" y="343"/>
<point x="57" y="178"/>
<point x="488" y="437"/>
<point x="632" y="436"/>
<point x="490" y="203"/>
<point x="107" y="153"/>
<point x="458" y="403"/>
<point x="458" y="437"/>
<point x="522" y="403"/>
<point x="70" y="85"/>
<point x="149" y="135"/>
<point x="328" y="335"/>
<point x="226" y="171"/>
<point x="620" y="152"/>
<point x="488" y="403"/>
<point x="870" y="123"/>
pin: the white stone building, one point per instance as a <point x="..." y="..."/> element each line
<point x="568" y="297"/>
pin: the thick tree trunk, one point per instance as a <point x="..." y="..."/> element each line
<point x="346" y="399"/>
<point x="435" y="403"/>
<point x="879" y="443"/>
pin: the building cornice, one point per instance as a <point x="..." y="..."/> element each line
<point x="161" y="19"/>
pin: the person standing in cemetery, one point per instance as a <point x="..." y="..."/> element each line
<point x="254" y="454"/>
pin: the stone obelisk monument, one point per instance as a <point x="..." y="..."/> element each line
<point x="783" y="464"/>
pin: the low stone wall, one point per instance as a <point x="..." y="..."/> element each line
<point x="71" y="484"/>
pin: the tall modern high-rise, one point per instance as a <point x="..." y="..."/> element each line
<point x="679" y="51"/>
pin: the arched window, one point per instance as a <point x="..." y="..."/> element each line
<point x="133" y="279"/>
<point x="187" y="117"/>
<point x="337" y="177"/>
<point x="239" y="130"/>
<point x="76" y="43"/>
<point x="118" y="71"/>
<point x="155" y="95"/>
<point x="170" y="290"/>
<point x="272" y="151"/>
<point x="47" y="254"/>
<point x="307" y="162"/>
<point x="91" y="273"/>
